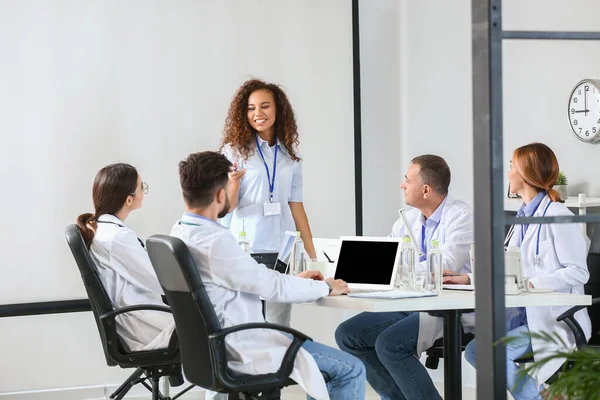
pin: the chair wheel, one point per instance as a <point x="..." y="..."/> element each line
<point x="432" y="362"/>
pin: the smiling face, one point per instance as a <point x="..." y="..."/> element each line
<point x="262" y="111"/>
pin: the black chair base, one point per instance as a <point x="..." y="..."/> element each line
<point x="152" y="374"/>
<point x="435" y="352"/>
<point x="274" y="394"/>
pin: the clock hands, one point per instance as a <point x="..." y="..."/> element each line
<point x="586" y="90"/>
<point x="583" y="111"/>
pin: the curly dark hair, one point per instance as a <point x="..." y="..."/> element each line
<point x="239" y="134"/>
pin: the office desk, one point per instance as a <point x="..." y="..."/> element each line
<point x="450" y="304"/>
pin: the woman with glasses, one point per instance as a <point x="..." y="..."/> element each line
<point x="122" y="261"/>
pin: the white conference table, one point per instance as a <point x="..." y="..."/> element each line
<point x="450" y="304"/>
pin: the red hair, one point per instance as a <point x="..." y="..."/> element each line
<point x="538" y="166"/>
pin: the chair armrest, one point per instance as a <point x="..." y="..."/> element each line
<point x="137" y="307"/>
<point x="569" y="318"/>
<point x="258" y="325"/>
<point x="573" y="310"/>
<point x="251" y="382"/>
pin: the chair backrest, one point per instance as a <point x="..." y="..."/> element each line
<point x="194" y="315"/>
<point x="99" y="300"/>
<point x="593" y="286"/>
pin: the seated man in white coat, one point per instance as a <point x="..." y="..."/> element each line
<point x="388" y="342"/>
<point x="235" y="283"/>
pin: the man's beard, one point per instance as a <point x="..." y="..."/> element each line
<point x="225" y="209"/>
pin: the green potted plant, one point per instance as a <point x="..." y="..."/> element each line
<point x="561" y="185"/>
<point x="577" y="379"/>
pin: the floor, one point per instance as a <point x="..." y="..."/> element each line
<point x="294" y="393"/>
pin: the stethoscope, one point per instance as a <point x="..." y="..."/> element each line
<point x="536" y="258"/>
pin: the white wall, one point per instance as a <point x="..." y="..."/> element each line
<point x="87" y="83"/>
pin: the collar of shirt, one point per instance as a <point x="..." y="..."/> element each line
<point x="436" y="216"/>
<point x="262" y="142"/>
<point x="527" y="210"/>
<point x="196" y="219"/>
<point x="111" y="218"/>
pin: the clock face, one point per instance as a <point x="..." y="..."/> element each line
<point x="584" y="110"/>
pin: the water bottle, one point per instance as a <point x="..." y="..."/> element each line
<point x="406" y="273"/>
<point x="243" y="242"/>
<point x="297" y="262"/>
<point x="433" y="281"/>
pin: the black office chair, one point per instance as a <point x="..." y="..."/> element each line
<point x="201" y="338"/>
<point x="436" y="351"/>
<point x="150" y="365"/>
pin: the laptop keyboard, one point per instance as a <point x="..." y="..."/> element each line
<point x="364" y="290"/>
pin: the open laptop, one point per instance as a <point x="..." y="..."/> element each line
<point x="368" y="263"/>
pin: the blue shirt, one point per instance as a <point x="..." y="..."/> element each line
<point x="527" y="210"/>
<point x="428" y="227"/>
<point x="265" y="232"/>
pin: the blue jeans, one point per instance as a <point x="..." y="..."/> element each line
<point x="387" y="344"/>
<point x="520" y="388"/>
<point x="344" y="374"/>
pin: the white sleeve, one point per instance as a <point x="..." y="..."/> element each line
<point x="130" y="260"/>
<point x="296" y="193"/>
<point x="234" y="269"/>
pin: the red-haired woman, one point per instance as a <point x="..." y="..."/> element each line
<point x="553" y="256"/>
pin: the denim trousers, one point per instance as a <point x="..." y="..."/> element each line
<point x="344" y="374"/>
<point x="387" y="345"/>
<point x="520" y="388"/>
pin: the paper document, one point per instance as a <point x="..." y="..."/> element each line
<point x="391" y="294"/>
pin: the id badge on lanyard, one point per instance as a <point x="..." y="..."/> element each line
<point x="270" y="208"/>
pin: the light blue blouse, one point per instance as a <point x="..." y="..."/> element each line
<point x="265" y="232"/>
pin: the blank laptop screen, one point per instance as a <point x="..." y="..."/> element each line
<point x="366" y="262"/>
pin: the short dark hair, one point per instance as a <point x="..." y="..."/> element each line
<point x="434" y="172"/>
<point x="201" y="176"/>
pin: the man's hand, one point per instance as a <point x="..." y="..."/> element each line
<point x="453" y="278"/>
<point x="338" y="286"/>
<point x="315" y="275"/>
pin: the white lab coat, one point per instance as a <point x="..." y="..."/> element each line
<point x="235" y="283"/>
<point x="563" y="268"/>
<point x="129" y="279"/>
<point x="455" y="236"/>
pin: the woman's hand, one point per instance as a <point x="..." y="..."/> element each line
<point x="456" y="279"/>
<point x="236" y="175"/>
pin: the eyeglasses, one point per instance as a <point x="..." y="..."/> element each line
<point x="145" y="188"/>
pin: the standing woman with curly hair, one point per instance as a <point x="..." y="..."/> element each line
<point x="260" y="138"/>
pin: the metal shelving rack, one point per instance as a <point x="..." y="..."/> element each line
<point x="487" y="38"/>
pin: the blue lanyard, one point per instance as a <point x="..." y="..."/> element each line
<point x="271" y="182"/>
